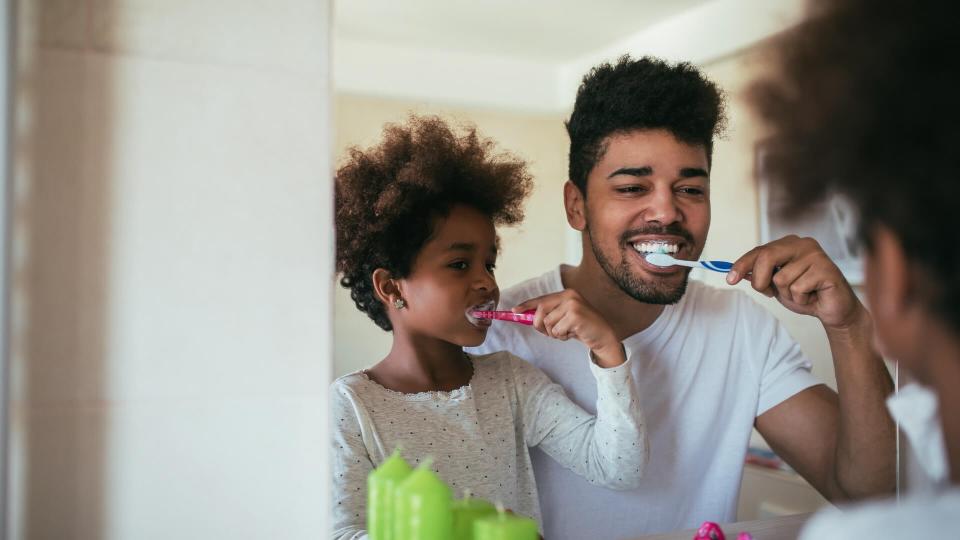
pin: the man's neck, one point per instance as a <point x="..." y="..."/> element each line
<point x="625" y="314"/>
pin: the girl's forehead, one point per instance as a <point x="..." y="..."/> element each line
<point x="464" y="225"/>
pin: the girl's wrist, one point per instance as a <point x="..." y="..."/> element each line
<point x="609" y="356"/>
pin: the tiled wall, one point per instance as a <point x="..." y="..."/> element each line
<point x="172" y="244"/>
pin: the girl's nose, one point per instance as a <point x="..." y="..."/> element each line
<point x="485" y="281"/>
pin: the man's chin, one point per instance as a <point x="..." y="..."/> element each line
<point x="657" y="291"/>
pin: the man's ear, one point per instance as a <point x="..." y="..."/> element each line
<point x="386" y="287"/>
<point x="574" y="203"/>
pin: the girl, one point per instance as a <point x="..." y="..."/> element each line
<point x="416" y="246"/>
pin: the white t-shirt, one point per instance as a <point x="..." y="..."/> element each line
<point x="704" y="370"/>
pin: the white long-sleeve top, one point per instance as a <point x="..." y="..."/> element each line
<point x="478" y="435"/>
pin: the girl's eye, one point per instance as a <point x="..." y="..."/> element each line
<point x="458" y="265"/>
<point x="491" y="267"/>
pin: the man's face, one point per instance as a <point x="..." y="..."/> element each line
<point x="648" y="192"/>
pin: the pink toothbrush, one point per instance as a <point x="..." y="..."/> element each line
<point x="523" y="318"/>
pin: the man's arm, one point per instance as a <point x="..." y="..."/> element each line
<point x="843" y="444"/>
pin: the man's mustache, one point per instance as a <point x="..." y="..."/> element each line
<point x="672" y="230"/>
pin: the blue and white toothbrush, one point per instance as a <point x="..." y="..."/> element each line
<point x="663" y="259"/>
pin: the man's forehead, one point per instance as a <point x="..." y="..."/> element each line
<point x="655" y="153"/>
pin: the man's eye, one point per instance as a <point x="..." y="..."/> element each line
<point x="691" y="191"/>
<point x="630" y="189"/>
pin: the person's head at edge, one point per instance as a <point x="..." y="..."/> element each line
<point x="862" y="107"/>
<point x="641" y="142"/>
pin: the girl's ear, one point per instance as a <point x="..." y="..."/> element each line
<point x="573" y="203"/>
<point x="891" y="289"/>
<point x="385" y="287"/>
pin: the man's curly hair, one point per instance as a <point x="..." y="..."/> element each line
<point x="647" y="93"/>
<point x="389" y="196"/>
<point x="863" y="107"/>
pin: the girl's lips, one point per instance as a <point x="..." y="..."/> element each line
<point x="477" y="322"/>
<point x="481" y="323"/>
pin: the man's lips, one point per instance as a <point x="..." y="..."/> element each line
<point x="640" y="247"/>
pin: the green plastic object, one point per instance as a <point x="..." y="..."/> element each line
<point x="504" y="526"/>
<point x="381" y="487"/>
<point x="422" y="507"/>
<point x="466" y="511"/>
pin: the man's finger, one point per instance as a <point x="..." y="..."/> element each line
<point x="784" y="277"/>
<point x="742" y="266"/>
<point x="760" y="263"/>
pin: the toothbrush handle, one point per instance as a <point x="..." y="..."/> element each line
<point x="717" y="266"/>
<point x="725" y="266"/>
<point x="523" y="318"/>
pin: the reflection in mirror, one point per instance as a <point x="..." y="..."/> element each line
<point x="513" y="71"/>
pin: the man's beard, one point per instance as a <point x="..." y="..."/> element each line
<point x="650" y="292"/>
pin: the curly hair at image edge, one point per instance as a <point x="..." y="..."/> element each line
<point x="389" y="197"/>
<point x="636" y="94"/>
<point x="861" y="106"/>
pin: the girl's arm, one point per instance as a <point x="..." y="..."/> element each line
<point x="351" y="464"/>
<point x="609" y="449"/>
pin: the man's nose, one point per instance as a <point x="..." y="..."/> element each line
<point x="662" y="207"/>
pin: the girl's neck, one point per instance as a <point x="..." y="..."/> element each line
<point x="422" y="364"/>
<point x="941" y="353"/>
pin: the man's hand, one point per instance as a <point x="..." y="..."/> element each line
<point x="566" y="315"/>
<point x="842" y="444"/>
<point x="799" y="274"/>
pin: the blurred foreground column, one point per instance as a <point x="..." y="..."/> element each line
<point x="170" y="270"/>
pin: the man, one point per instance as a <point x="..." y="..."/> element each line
<point x="710" y="364"/>
<point x="861" y="108"/>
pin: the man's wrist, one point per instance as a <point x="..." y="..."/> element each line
<point x="857" y="329"/>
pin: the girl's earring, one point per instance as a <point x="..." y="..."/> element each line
<point x="399" y="303"/>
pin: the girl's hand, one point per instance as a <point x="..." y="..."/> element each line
<point x="566" y="315"/>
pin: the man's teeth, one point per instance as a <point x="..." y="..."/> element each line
<point x="656" y="247"/>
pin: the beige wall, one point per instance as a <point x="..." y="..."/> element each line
<point x="172" y="244"/>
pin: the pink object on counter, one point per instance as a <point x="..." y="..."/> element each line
<point x="709" y="531"/>
<point x="744" y="536"/>
<point x="523" y="318"/>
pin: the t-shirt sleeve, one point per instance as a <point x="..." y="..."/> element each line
<point x="351" y="465"/>
<point x="609" y="449"/>
<point x="784" y="369"/>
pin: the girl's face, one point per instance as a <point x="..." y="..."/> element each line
<point x="451" y="276"/>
